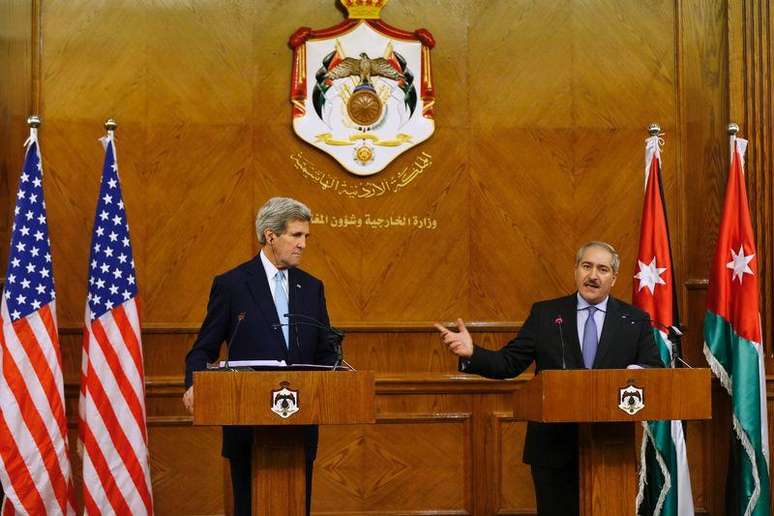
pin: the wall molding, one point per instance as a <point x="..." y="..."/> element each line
<point x="170" y="328"/>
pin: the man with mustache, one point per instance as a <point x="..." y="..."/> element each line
<point x="587" y="329"/>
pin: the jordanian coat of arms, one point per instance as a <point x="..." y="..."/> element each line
<point x="362" y="91"/>
<point x="631" y="399"/>
<point x="284" y="401"/>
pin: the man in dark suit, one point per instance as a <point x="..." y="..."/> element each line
<point x="247" y="308"/>
<point x="588" y="329"/>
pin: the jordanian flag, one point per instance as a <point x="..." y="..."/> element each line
<point x="665" y="484"/>
<point x="733" y="344"/>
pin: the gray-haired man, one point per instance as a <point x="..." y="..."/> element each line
<point x="264" y="289"/>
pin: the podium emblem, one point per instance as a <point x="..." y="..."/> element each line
<point x="631" y="399"/>
<point x="284" y="401"/>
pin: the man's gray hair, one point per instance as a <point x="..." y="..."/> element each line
<point x="276" y="214"/>
<point x="615" y="263"/>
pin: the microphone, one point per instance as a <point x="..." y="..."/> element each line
<point x="559" y="322"/>
<point x="673" y="333"/>
<point x="240" y="318"/>
<point x="336" y="336"/>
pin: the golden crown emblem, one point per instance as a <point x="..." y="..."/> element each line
<point x="364" y="9"/>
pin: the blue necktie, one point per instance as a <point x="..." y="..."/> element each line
<point x="590" y="339"/>
<point x="281" y="303"/>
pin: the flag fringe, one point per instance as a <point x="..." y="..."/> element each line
<point x="725" y="381"/>
<point x="643" y="470"/>
<point x="748" y="448"/>
<point x="648" y="436"/>
<point x="718" y="369"/>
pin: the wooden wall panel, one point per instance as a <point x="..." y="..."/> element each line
<point x="751" y="105"/>
<point x="187" y="470"/>
<point x="16" y="96"/>
<point x="405" y="464"/>
<point x="558" y="155"/>
<point x="704" y="82"/>
<point x="541" y="115"/>
<point x="515" y="493"/>
<point x="180" y="194"/>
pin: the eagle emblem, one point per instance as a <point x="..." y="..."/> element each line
<point x="631" y="399"/>
<point x="364" y="68"/>
<point x="284" y="401"/>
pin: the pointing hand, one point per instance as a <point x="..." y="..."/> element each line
<point x="460" y="342"/>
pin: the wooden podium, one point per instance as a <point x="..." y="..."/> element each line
<point x="276" y="402"/>
<point x="608" y="458"/>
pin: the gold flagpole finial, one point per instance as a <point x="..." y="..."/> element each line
<point x="733" y="129"/>
<point x="111" y="124"/>
<point x="33" y="121"/>
<point x="654" y="129"/>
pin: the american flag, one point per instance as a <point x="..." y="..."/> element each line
<point x="34" y="464"/>
<point x="116" y="475"/>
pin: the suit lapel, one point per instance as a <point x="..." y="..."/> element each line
<point x="569" y="311"/>
<point x="258" y="285"/>
<point x="609" y="330"/>
<point x="294" y="293"/>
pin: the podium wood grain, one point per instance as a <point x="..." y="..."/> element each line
<point x="578" y="396"/>
<point x="606" y="441"/>
<point x="244" y="397"/>
<point x="239" y="397"/>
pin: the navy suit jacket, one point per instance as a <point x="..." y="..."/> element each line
<point x="246" y="289"/>
<point x="626" y="339"/>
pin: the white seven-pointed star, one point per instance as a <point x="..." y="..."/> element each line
<point x="739" y="263"/>
<point x="650" y="275"/>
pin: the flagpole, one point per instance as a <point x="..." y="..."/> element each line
<point x="733" y="129"/>
<point x="33" y="122"/>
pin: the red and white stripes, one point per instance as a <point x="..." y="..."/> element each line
<point x="34" y="463"/>
<point x="116" y="474"/>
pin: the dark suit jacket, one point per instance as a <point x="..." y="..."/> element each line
<point x="246" y="289"/>
<point x="626" y="339"/>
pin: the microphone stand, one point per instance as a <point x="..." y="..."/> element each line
<point x="338" y="336"/>
<point x="240" y="318"/>
<point x="560" y="323"/>
<point x="673" y="335"/>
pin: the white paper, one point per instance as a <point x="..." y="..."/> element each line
<point x="253" y="363"/>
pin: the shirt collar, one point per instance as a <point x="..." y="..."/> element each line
<point x="268" y="267"/>
<point x="583" y="304"/>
